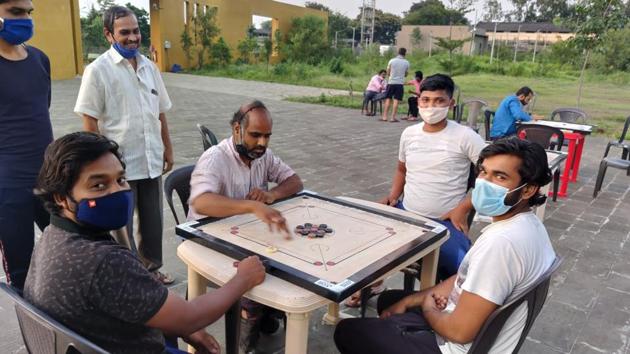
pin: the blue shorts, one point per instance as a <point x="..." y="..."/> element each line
<point x="452" y="252"/>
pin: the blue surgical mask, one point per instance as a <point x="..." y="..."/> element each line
<point x="126" y="53"/>
<point x="489" y="198"/>
<point x="16" y="31"/>
<point x="109" y="212"/>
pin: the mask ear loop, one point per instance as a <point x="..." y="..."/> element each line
<point x="514" y="190"/>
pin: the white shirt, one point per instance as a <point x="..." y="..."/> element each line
<point x="507" y="258"/>
<point x="127" y="104"/>
<point x="438" y="165"/>
<point x="398" y="68"/>
<point x="220" y="170"/>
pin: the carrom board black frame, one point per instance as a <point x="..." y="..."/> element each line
<point x="334" y="292"/>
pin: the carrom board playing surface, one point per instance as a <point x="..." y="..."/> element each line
<point x="364" y="243"/>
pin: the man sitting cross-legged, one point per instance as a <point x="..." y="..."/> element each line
<point x="511" y="254"/>
<point x="232" y="178"/>
<point x="84" y="279"/>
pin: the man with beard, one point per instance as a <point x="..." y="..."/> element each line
<point x="510" y="111"/>
<point x="122" y="96"/>
<point x="232" y="178"/>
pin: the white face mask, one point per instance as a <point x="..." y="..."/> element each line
<point x="433" y="115"/>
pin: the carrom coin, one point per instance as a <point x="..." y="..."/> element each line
<point x="329" y="230"/>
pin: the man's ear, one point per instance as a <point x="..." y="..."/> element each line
<point x="62" y="202"/>
<point x="529" y="191"/>
<point x="109" y="37"/>
<point x="452" y="103"/>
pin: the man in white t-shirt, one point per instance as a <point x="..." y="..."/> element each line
<point x="433" y="169"/>
<point x="511" y="254"/>
<point x="397" y="70"/>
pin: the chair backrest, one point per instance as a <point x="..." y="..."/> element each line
<point x="542" y="135"/>
<point x="179" y="181"/>
<point x="569" y="115"/>
<point x="487" y="122"/>
<point x="534" y="296"/>
<point x="207" y="137"/>
<point x="44" y="335"/>
<point x="625" y="130"/>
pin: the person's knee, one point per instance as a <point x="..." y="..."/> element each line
<point x="345" y="335"/>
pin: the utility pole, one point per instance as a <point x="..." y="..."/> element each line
<point x="353" y="38"/>
<point x="516" y="42"/>
<point x="494" y="37"/>
<point x="336" y="32"/>
<point x="535" y="47"/>
<point x="368" y="12"/>
<point x="430" y="43"/>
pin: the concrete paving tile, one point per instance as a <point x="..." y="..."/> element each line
<point x="558" y="325"/>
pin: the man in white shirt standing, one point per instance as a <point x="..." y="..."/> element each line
<point x="123" y="97"/>
<point x="397" y="70"/>
<point x="511" y="254"/>
<point x="232" y="178"/>
<point x="433" y="169"/>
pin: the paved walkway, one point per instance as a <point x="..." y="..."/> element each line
<point x="338" y="152"/>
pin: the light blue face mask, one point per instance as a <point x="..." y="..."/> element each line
<point x="489" y="198"/>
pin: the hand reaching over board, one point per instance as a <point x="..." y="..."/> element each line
<point x="272" y="218"/>
<point x="251" y="270"/>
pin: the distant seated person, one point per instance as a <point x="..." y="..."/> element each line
<point x="509" y="257"/>
<point x="412" y="101"/>
<point x="511" y="111"/>
<point x="376" y="85"/>
<point x="82" y="278"/>
<point x="434" y="163"/>
<point x="232" y="178"/>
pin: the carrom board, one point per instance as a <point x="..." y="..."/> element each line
<point x="365" y="243"/>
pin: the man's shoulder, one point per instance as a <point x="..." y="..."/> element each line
<point x="412" y="130"/>
<point x="38" y="52"/>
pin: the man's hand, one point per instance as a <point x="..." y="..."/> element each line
<point x="430" y="303"/>
<point x="168" y="159"/>
<point x="537" y="117"/>
<point x="458" y="217"/>
<point x="203" y="343"/>
<point x="440" y="301"/>
<point x="251" y="270"/>
<point x="272" y="218"/>
<point x="262" y="196"/>
<point x="395" y="309"/>
<point x="389" y="200"/>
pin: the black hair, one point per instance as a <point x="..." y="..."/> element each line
<point x="382" y="71"/>
<point x="534" y="169"/>
<point x="402" y="51"/>
<point x="438" y="82"/>
<point x="419" y="74"/>
<point x="63" y="161"/>
<point x="113" y="13"/>
<point x="524" y="91"/>
<point x="242" y="115"/>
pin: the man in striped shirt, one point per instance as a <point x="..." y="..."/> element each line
<point x="232" y="178"/>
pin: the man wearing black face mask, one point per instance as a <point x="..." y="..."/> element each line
<point x="25" y="131"/>
<point x="510" y="111"/>
<point x="82" y="278"/>
<point x="232" y="178"/>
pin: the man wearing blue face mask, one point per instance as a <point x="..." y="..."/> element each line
<point x="81" y="277"/>
<point x="511" y="255"/>
<point x="122" y="96"/>
<point x="25" y="131"/>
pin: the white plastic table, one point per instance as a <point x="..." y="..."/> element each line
<point x="205" y="265"/>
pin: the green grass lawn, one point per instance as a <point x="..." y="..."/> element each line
<point x="606" y="99"/>
<point x="607" y="104"/>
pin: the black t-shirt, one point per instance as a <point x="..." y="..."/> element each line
<point x="25" y="129"/>
<point x="96" y="287"/>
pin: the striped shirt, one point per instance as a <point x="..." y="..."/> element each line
<point x="220" y="170"/>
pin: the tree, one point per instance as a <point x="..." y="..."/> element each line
<point x="385" y="26"/>
<point x="306" y="40"/>
<point x="247" y="46"/>
<point x="105" y="4"/>
<point x="450" y="45"/>
<point x="220" y="53"/>
<point x="433" y="12"/>
<point x="267" y="51"/>
<point x="143" y="23"/>
<point x="92" y="36"/>
<point x="206" y="29"/>
<point x="337" y="22"/>
<point x="266" y="26"/>
<point x="493" y="11"/>
<point x="187" y="45"/>
<point x="416" y="37"/>
<point x="596" y="17"/>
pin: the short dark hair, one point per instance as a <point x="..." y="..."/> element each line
<point x="419" y="74"/>
<point x="63" y="161"/>
<point x="402" y="51"/>
<point x="438" y="82"/>
<point x="113" y="13"/>
<point x="242" y="115"/>
<point x="534" y="167"/>
<point x="382" y="71"/>
<point x="524" y="91"/>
